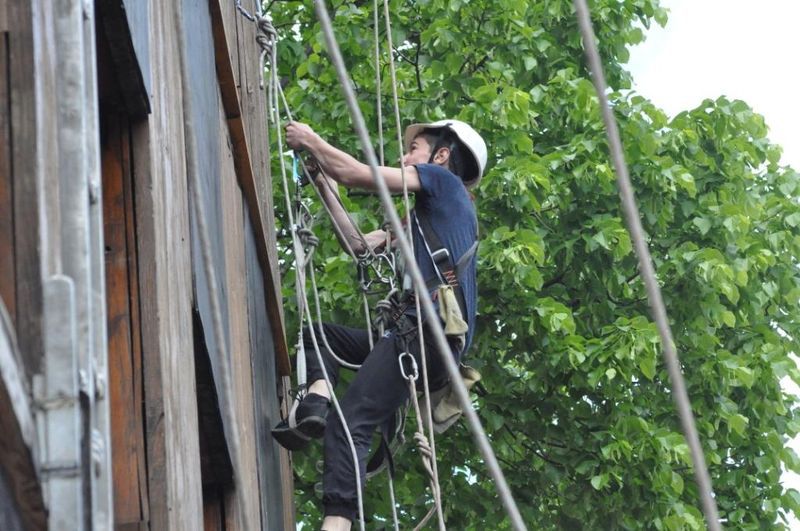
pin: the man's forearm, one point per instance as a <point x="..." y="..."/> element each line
<point x="346" y="231"/>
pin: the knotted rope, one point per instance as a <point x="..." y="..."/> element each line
<point x="266" y="37"/>
<point x="420" y="439"/>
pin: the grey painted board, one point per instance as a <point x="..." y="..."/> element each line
<point x="265" y="395"/>
<point x="205" y="109"/>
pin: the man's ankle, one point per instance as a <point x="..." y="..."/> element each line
<point x="336" y="523"/>
<point x="320" y="387"/>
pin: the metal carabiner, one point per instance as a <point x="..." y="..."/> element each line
<point x="415" y="370"/>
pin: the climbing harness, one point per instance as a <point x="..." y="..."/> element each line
<point x="303" y="243"/>
<point x="373" y="268"/>
<point x="423" y="297"/>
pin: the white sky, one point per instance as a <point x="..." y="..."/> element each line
<point x="742" y="49"/>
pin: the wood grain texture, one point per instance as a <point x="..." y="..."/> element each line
<point x="3" y="16"/>
<point x="24" y="155"/>
<point x="8" y="289"/>
<point x="240" y="351"/>
<point x="166" y="294"/>
<point x="122" y="307"/>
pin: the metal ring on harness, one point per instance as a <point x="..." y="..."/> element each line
<point x="415" y="370"/>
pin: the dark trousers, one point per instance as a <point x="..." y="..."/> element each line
<point x="377" y="390"/>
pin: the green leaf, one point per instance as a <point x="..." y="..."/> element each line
<point x="648" y="367"/>
<point x="704" y="224"/>
<point x="738" y="423"/>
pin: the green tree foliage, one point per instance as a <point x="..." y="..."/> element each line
<point x="577" y="402"/>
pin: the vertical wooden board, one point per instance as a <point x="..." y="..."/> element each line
<point x="254" y="115"/>
<point x="205" y="109"/>
<point x="230" y="19"/>
<point x="240" y="353"/>
<point x="166" y="294"/>
<point x="277" y="509"/>
<point x="8" y="290"/>
<point x="213" y="509"/>
<point x="120" y="356"/>
<point x="47" y="169"/>
<point x="21" y="75"/>
<point x="137" y="400"/>
<point x="3" y="16"/>
<point x="122" y="307"/>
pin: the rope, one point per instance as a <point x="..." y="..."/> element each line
<point x="423" y="354"/>
<point x="192" y="173"/>
<point x="423" y="445"/>
<point x="275" y="94"/>
<point x="247" y="14"/>
<point x="461" y="392"/>
<point x="632" y="217"/>
<point x="266" y="37"/>
<point x="378" y="105"/>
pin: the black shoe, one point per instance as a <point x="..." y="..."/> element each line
<point x="312" y="415"/>
<point x="310" y="421"/>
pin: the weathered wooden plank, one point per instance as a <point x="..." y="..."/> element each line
<point x="47" y="154"/>
<point x="122" y="301"/>
<point x="8" y="290"/>
<point x="255" y="117"/>
<point x="265" y="239"/>
<point x="240" y="352"/>
<point x="213" y="508"/>
<point x="138" y="398"/>
<point x="21" y="75"/>
<point x="204" y="105"/>
<point x="166" y="293"/>
<point x="276" y="501"/>
<point x="287" y="474"/>
<point x="3" y="16"/>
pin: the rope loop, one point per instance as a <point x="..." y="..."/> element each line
<point x="266" y="37"/>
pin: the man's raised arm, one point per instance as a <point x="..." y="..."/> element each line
<point x="344" y="168"/>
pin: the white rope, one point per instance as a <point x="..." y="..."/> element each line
<point x="379" y="104"/>
<point x="301" y="263"/>
<point x="441" y="342"/>
<point x="419" y="436"/>
<point x="428" y="418"/>
<point x="632" y="217"/>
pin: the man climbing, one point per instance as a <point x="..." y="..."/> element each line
<point x="442" y="160"/>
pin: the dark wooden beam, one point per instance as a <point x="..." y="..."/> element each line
<point x="112" y="21"/>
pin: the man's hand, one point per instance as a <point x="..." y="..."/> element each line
<point x="299" y="135"/>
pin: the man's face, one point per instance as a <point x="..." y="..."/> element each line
<point x="418" y="153"/>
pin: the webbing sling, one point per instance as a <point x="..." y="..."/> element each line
<point x="446" y="271"/>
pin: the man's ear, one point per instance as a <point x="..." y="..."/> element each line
<point x="442" y="156"/>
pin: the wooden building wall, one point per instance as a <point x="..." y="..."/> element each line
<point x="154" y="293"/>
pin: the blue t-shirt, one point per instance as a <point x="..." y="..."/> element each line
<point x="445" y="202"/>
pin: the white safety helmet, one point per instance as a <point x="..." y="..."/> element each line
<point x="466" y="134"/>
